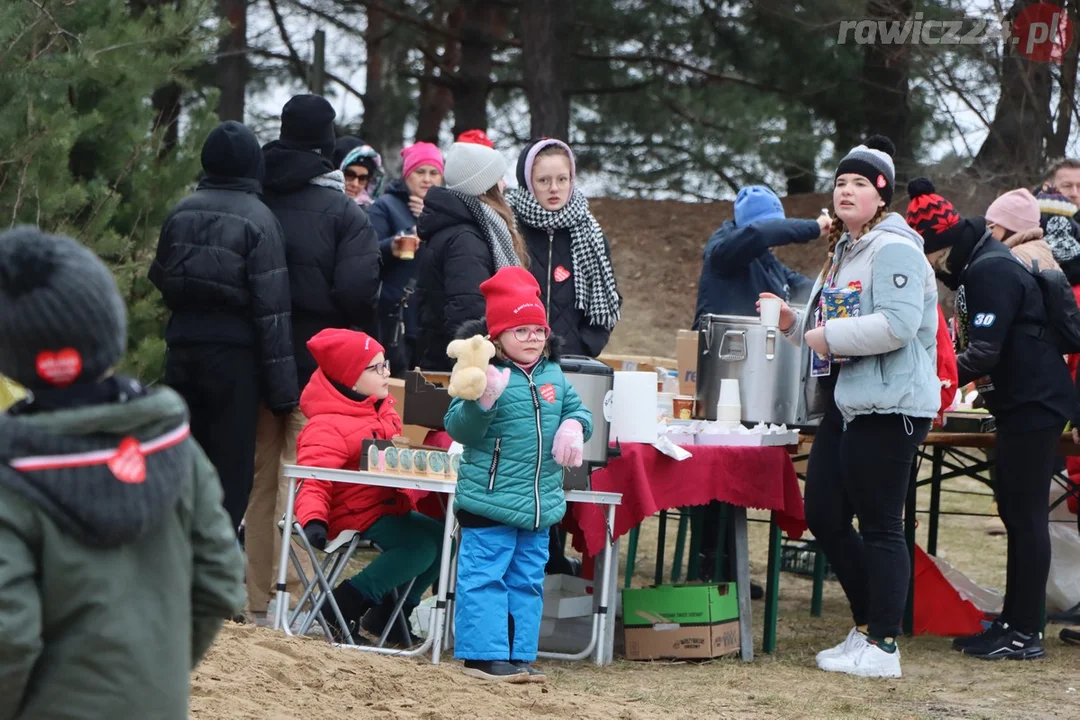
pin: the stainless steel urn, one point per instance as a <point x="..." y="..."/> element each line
<point x="765" y="364"/>
<point x="592" y="380"/>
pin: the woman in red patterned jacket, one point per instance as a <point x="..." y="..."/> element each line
<point x="348" y="401"/>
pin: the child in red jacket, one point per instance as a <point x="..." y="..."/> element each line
<point x="346" y="402"/>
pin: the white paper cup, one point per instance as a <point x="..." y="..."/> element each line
<point x="728" y="413"/>
<point x="729" y="393"/>
<point x="770" y="311"/>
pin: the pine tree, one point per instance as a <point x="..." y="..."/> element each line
<point x="85" y="148"/>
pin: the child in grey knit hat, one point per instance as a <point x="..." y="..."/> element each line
<point x="119" y="561"/>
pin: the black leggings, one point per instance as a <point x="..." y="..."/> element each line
<point x="1025" y="466"/>
<point x="864" y="470"/>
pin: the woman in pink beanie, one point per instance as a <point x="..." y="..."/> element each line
<point x="422" y="169"/>
<point x="1014" y="220"/>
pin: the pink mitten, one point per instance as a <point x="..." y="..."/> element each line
<point x="569" y="444"/>
<point x="496" y="382"/>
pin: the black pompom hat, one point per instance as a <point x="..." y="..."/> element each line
<point x="874" y="161"/>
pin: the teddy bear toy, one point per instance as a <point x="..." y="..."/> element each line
<point x="468" y="379"/>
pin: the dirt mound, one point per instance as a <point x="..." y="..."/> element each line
<point x="256" y="673"/>
<point x="657" y="248"/>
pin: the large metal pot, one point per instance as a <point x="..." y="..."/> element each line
<point x="593" y="381"/>
<point x="765" y="364"/>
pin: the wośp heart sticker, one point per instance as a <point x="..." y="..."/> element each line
<point x="548" y="392"/>
<point x="60" y="368"/>
<point x="129" y="463"/>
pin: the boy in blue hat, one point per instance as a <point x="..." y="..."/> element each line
<point x="739" y="264"/>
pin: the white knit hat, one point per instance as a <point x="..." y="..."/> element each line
<point x="473" y="169"/>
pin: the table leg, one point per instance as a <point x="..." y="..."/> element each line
<point x="935" y="499"/>
<point x="680" y="546"/>
<point x="631" y="555"/>
<point x="660" y="540"/>
<point x="909" y="534"/>
<point x="608" y="638"/>
<point x="281" y="611"/>
<point x="742" y="583"/>
<point x="439" y="619"/>
<point x="607" y="616"/>
<point x="819" y="583"/>
<point x="772" y="588"/>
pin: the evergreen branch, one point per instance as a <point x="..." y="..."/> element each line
<point x="41" y="8"/>
<point x="613" y="89"/>
<point x="433" y="28"/>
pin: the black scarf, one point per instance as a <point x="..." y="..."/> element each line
<point x="113" y="389"/>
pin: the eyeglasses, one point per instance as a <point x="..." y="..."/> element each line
<point x="524" y="333"/>
<point x="383" y="368"/>
<point x="352" y="175"/>
<point x="546" y="182"/>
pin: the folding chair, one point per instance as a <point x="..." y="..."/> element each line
<point x="318" y="590"/>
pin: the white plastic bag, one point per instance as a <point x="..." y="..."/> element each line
<point x="1063" y="584"/>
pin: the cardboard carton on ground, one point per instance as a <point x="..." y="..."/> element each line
<point x="686" y="356"/>
<point x="681" y="622"/>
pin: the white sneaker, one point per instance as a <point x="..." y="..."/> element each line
<point x="853" y="641"/>
<point x="868" y="660"/>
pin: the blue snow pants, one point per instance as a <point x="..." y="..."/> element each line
<point x="500" y="593"/>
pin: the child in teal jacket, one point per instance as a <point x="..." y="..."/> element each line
<point x="527" y="426"/>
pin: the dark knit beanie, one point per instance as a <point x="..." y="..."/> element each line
<point x="930" y="215"/>
<point x="307" y="121"/>
<point x="872" y="160"/>
<point x="62" y="320"/>
<point x="232" y="151"/>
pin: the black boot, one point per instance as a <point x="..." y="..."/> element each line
<point x="352" y="604"/>
<point x="375" y="620"/>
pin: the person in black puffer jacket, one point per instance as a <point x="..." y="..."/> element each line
<point x="467" y="233"/>
<point x="568" y="253"/>
<point x="1003" y="346"/>
<point x="333" y="259"/>
<point x="220" y="267"/>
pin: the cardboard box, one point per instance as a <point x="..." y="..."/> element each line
<point x="637" y="363"/>
<point x="686" y="355"/>
<point x="566" y="596"/>
<point x="681" y="622"/>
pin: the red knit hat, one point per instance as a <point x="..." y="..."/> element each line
<point x="930" y="215"/>
<point x="343" y="355"/>
<point x="476" y="137"/>
<point x="513" y="300"/>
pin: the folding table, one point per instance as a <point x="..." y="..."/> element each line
<point x="600" y="645"/>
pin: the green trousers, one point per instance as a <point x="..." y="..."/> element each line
<point x="411" y="545"/>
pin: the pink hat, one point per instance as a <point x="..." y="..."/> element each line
<point x="422" y="153"/>
<point x="1016" y="211"/>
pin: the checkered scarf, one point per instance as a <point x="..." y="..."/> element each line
<point x="595" y="292"/>
<point x="494" y="228"/>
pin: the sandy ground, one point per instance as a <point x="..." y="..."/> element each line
<point x="253" y="673"/>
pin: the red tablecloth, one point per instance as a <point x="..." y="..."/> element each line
<point x="750" y="477"/>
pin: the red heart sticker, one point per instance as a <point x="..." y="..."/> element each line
<point x="548" y="392"/>
<point x="881" y="181"/>
<point x="561" y="274"/>
<point x="129" y="464"/>
<point x="60" y="368"/>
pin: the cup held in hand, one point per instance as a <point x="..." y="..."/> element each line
<point x="770" y="311"/>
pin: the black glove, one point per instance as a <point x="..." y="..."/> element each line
<point x="315" y="531"/>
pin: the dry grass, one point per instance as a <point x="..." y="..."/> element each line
<point x="254" y="674"/>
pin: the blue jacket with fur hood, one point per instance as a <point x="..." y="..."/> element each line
<point x="895" y="335"/>
<point x="508" y="473"/>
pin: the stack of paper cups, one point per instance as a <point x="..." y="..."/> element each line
<point x="729" y="406"/>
